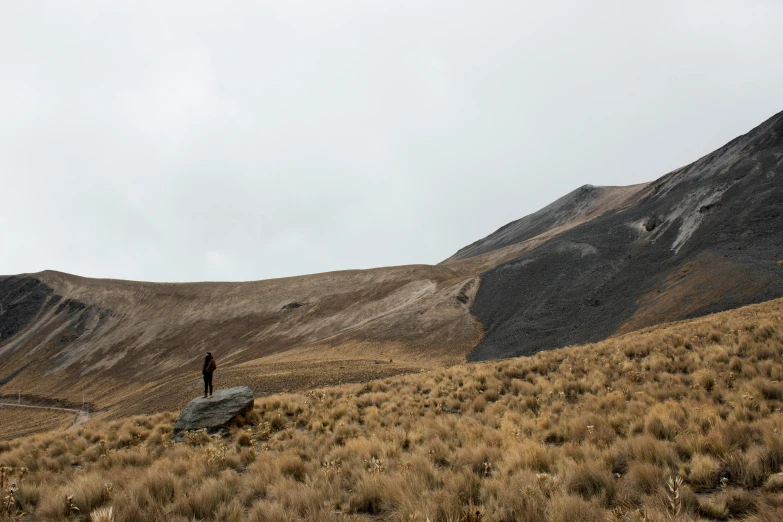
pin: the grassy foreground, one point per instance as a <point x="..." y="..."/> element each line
<point x="18" y="422"/>
<point x="681" y="422"/>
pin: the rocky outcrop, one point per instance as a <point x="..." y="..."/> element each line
<point x="704" y="238"/>
<point x="21" y="299"/>
<point x="581" y="205"/>
<point x="214" y="414"/>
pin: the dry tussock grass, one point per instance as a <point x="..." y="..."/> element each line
<point x="21" y="422"/>
<point x="676" y="423"/>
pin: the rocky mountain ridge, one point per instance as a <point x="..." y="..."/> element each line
<point x="596" y="262"/>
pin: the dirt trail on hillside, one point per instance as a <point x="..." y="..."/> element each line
<point x="80" y="416"/>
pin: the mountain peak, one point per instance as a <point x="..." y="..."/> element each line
<point x="578" y="206"/>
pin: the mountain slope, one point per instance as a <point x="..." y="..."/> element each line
<point x="577" y="207"/>
<point x="704" y="238"/>
<point x="63" y="334"/>
<point x="597" y="262"/>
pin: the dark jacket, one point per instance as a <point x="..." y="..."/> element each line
<point x="209" y="365"/>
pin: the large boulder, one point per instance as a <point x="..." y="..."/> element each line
<point x="214" y="414"/>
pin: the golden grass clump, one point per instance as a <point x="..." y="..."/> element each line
<point x="681" y="422"/>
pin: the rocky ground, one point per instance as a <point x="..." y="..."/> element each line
<point x="706" y="237"/>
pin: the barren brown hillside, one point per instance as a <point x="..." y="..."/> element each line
<point x="597" y="262"/>
<point x="133" y="347"/>
<point x="76" y="335"/>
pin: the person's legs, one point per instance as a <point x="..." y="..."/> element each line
<point x="209" y="377"/>
<point x="206" y="385"/>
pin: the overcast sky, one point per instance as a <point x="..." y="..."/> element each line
<point x="185" y="141"/>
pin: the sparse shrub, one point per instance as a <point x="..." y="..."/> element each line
<point x="704" y="471"/>
<point x="249" y="418"/>
<point x="244" y="440"/>
<point x="660" y="429"/>
<point x="705" y="378"/>
<point x="643" y="448"/>
<point x="265" y="511"/>
<point x="203" y="502"/>
<point x="292" y="466"/>
<point x="533" y="456"/>
<point x="521" y="498"/>
<point x="229" y="512"/>
<point x="134" y="457"/>
<point x="162" y="485"/>
<point x="645" y="478"/>
<point x="740" y="503"/>
<point x="745" y="469"/>
<point x="82" y="495"/>
<point x="478" y="458"/>
<point x="276" y="422"/>
<point x="768" y="513"/>
<point x="102" y="515"/>
<point x="589" y="480"/>
<point x="464" y="485"/>
<point x="714" y="509"/>
<point x="215" y="456"/>
<point x="771" y="391"/>
<point x="774" y="483"/>
<point x="479" y="404"/>
<point x="573" y="509"/>
<point x="28" y="496"/>
<point x="197" y="437"/>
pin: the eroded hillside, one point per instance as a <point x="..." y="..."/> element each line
<point x="601" y="261"/>
<point x="704" y="238"/>
<point x="123" y="342"/>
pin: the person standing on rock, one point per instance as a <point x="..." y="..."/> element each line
<point x="209" y="367"/>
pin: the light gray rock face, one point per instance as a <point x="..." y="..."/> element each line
<point x="215" y="413"/>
